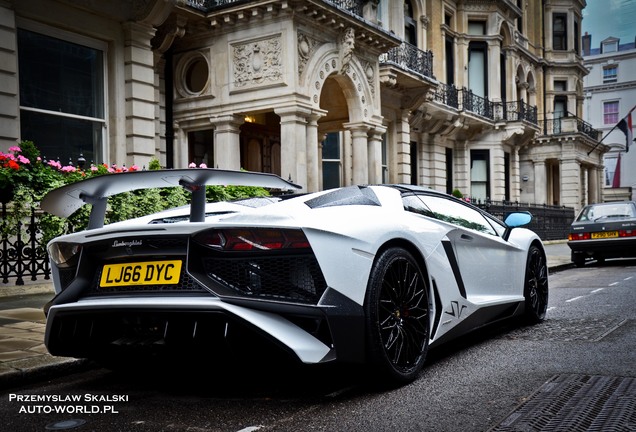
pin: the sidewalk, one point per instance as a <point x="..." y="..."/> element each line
<point x="24" y="358"/>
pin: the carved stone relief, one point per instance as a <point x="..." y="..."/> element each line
<point x="258" y="62"/>
<point x="306" y="48"/>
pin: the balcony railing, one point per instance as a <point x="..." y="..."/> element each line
<point x="515" y="111"/>
<point x="410" y="58"/>
<point x="447" y="94"/>
<point x="557" y="125"/>
<point x="476" y="104"/>
<point x="465" y="100"/>
<point x="352" y="6"/>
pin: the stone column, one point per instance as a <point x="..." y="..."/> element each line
<point x="515" y="175"/>
<point x="9" y="88"/>
<point x="180" y="156"/>
<point x="594" y="179"/>
<point x="227" y="142"/>
<point x="314" y="179"/>
<point x="139" y="94"/>
<point x="375" y="154"/>
<point x="571" y="183"/>
<point x="293" y="144"/>
<point x="360" y="152"/>
<point x="540" y="185"/>
<point x="402" y="164"/>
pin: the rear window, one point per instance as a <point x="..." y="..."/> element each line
<point x="607" y="211"/>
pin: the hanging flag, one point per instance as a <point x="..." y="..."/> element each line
<point x="626" y="126"/>
<point x="616" y="182"/>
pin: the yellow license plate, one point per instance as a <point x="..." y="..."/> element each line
<point x="602" y="235"/>
<point x="144" y="273"/>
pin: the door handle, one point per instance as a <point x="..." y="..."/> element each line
<point x="466" y="237"/>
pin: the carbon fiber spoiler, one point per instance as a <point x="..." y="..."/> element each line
<point x="64" y="201"/>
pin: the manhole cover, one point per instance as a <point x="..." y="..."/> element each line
<point x="577" y="403"/>
<point x="566" y="330"/>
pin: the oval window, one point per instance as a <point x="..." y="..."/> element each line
<point x="196" y="75"/>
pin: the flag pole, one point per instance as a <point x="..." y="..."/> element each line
<point x="610" y="131"/>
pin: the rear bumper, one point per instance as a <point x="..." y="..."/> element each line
<point x="103" y="327"/>
<point x="607" y="248"/>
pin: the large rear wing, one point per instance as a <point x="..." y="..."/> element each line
<point x="65" y="200"/>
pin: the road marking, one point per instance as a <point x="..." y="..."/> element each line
<point x="597" y="290"/>
<point x="574" y="299"/>
<point x="614" y="284"/>
<point x="250" y="429"/>
<point x="628" y="278"/>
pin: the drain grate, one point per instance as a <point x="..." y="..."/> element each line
<point x="567" y="330"/>
<point x="571" y="403"/>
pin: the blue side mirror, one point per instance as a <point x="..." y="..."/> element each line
<point x="518" y="219"/>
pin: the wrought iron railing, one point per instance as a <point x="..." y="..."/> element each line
<point x="411" y="58"/>
<point x="515" y="111"/>
<point x="354" y="7"/>
<point x="548" y="222"/>
<point x="554" y="126"/>
<point x="465" y="100"/>
<point x="587" y="129"/>
<point x="448" y="95"/>
<point x="476" y="104"/>
<point x="22" y="252"/>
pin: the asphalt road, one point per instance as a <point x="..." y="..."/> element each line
<point x="471" y="385"/>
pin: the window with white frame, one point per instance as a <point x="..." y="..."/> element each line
<point x="610" y="74"/>
<point x="610" y="112"/>
<point x="62" y="104"/>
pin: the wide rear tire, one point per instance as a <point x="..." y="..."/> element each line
<point x="397" y="317"/>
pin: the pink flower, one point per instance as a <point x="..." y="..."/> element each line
<point x="192" y="165"/>
<point x="134" y="168"/>
<point x="55" y="164"/>
<point x="94" y="168"/>
<point x="68" y="168"/>
<point x="23" y="160"/>
<point x="203" y="165"/>
<point x="15" y="149"/>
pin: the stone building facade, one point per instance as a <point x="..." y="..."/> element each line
<point x="483" y="96"/>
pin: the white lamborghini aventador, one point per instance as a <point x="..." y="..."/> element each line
<point x="366" y="274"/>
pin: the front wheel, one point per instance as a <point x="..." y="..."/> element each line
<point x="397" y="317"/>
<point x="536" y="286"/>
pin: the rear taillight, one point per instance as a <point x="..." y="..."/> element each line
<point x="64" y="255"/>
<point x="627" y="233"/>
<point x="578" y="236"/>
<point x="252" y="239"/>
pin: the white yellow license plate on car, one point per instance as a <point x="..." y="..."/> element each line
<point x="607" y="234"/>
<point x="166" y="272"/>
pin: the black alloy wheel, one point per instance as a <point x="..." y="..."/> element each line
<point x="397" y="317"/>
<point x="536" y="286"/>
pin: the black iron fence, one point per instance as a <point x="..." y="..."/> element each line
<point x="22" y="252"/>
<point x="23" y="255"/>
<point x="549" y="222"/>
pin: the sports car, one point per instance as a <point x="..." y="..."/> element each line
<point x="604" y="230"/>
<point x="373" y="275"/>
